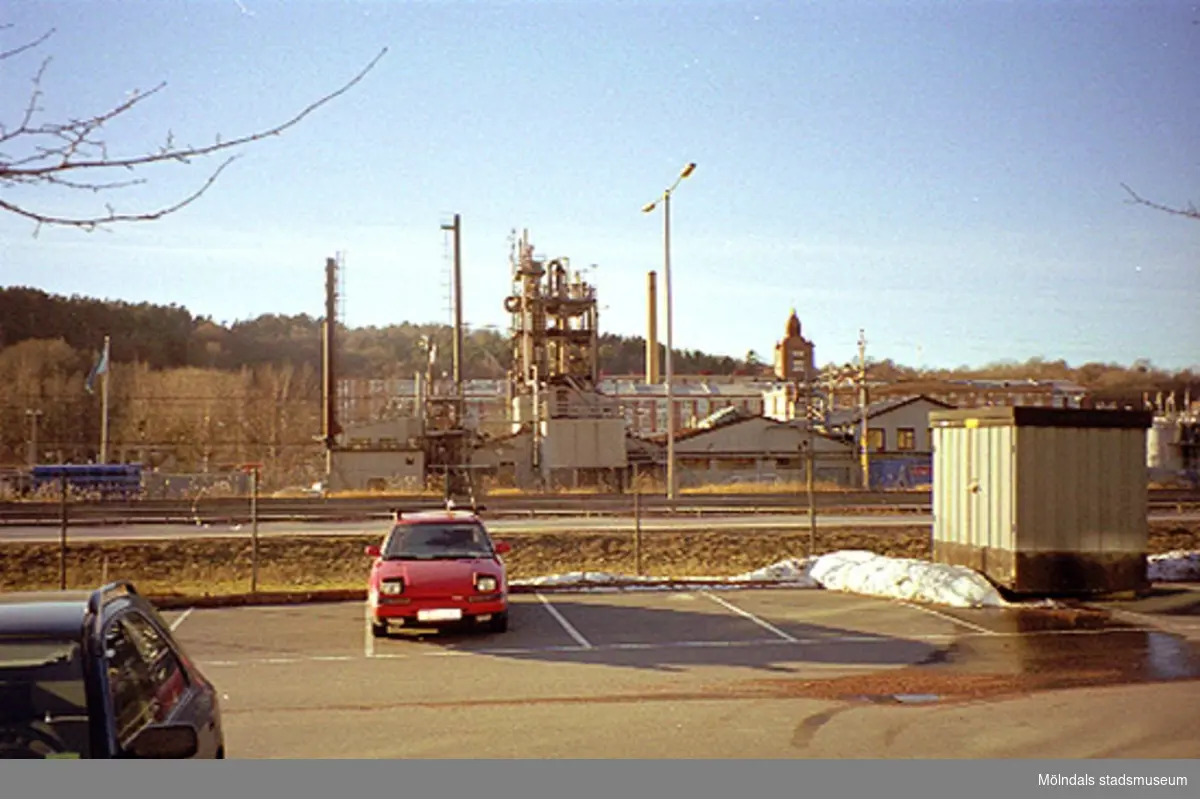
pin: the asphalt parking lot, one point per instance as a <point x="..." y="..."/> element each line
<point x="639" y="674"/>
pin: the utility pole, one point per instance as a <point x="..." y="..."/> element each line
<point x="810" y="462"/>
<point x="31" y="455"/>
<point x="862" y="406"/>
<point x="330" y="427"/>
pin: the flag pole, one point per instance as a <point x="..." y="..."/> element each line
<point x="104" y="405"/>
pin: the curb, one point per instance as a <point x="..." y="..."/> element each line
<point x="265" y="598"/>
<point x="180" y="601"/>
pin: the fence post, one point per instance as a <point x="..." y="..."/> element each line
<point x="810" y="463"/>
<point x="254" y="530"/>
<point x="637" y="524"/>
<point x="62" y="538"/>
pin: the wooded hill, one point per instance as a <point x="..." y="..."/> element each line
<point x="203" y="392"/>
<point x="170" y="337"/>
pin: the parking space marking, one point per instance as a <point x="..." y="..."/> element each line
<point x="368" y="634"/>
<point x="566" y="625"/>
<point x="766" y="625"/>
<point x="1181" y="626"/>
<point x="946" y="616"/>
<point x="649" y="647"/>
<point x="179" y="619"/>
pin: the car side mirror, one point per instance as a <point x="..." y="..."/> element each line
<point x="165" y="742"/>
<point x="372" y="551"/>
<point x="503" y="547"/>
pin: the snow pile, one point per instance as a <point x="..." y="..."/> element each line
<point x="860" y="572"/>
<point x="1177" y="566"/>
<point x="793" y="572"/>
<point x="852" y="571"/>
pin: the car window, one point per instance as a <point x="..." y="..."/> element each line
<point x="43" y="701"/>
<point x="128" y="683"/>
<point x="438" y="539"/>
<point x="166" y="673"/>
<point x="145" y="678"/>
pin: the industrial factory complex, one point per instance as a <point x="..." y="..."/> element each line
<point x="557" y="423"/>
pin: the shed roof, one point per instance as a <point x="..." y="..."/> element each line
<point x="1025" y="416"/>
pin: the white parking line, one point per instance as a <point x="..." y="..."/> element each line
<point x="368" y="635"/>
<point x="946" y="617"/>
<point x="179" y="619"/>
<point x="1180" y="626"/>
<point x="746" y="614"/>
<point x="566" y="625"/>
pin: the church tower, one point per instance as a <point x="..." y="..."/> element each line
<point x="794" y="358"/>
<point x="795" y="365"/>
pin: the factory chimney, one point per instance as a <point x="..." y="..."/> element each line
<point x="651" y="329"/>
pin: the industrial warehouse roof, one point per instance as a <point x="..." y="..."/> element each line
<point x="734" y="420"/>
<point x="626" y="388"/>
<point x="613" y="387"/>
<point x="848" y="416"/>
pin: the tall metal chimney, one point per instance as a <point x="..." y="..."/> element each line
<point x="652" y="328"/>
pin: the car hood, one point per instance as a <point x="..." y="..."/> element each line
<point x="438" y="576"/>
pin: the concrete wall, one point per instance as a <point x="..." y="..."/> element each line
<point x="583" y="444"/>
<point x="829" y="469"/>
<point x="362" y="471"/>
<point x="399" y="430"/>
<point x="508" y="461"/>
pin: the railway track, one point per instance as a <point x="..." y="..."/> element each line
<point x="237" y="509"/>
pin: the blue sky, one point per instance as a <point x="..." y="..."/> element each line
<point x="945" y="175"/>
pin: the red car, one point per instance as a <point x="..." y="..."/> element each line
<point x="438" y="568"/>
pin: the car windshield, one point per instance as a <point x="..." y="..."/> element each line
<point x="43" y="702"/>
<point x="436" y="540"/>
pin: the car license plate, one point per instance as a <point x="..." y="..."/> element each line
<point x="441" y="614"/>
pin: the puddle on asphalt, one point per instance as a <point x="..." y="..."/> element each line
<point x="899" y="699"/>
<point x="1090" y="644"/>
<point x="1037" y="650"/>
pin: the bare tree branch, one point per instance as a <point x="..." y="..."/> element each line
<point x="112" y="216"/>
<point x="45" y="152"/>
<point x="27" y="45"/>
<point x="1190" y="212"/>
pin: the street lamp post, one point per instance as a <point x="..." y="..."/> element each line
<point x="670" y="372"/>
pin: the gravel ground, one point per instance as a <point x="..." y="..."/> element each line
<point x="217" y="566"/>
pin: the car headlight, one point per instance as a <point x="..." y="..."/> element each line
<point x="485" y="584"/>
<point x="391" y="587"/>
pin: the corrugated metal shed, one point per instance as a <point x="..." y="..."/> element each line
<point x="1042" y="500"/>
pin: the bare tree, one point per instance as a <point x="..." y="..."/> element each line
<point x="73" y="155"/>
<point x="1190" y="212"/>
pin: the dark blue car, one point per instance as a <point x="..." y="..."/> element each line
<point x="99" y="675"/>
